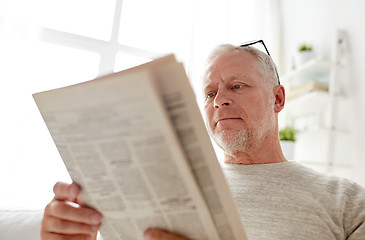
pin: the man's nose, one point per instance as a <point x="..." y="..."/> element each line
<point x="222" y="99"/>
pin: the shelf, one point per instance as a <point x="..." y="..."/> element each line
<point x="311" y="86"/>
<point x="308" y="82"/>
<point x="313" y="70"/>
<point x="320" y="116"/>
<point x="312" y="145"/>
<point x="313" y="98"/>
<point x="324" y="130"/>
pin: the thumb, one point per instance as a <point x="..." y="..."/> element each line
<point x="66" y="191"/>
<point x="156" y="234"/>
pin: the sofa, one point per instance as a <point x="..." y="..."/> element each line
<point x="20" y="224"/>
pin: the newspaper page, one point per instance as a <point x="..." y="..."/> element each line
<point x="184" y="113"/>
<point x="129" y="161"/>
<point x="118" y="144"/>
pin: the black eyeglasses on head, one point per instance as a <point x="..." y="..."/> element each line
<point x="267" y="51"/>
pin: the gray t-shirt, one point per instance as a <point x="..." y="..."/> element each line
<point x="289" y="201"/>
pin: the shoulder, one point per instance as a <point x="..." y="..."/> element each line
<point x="324" y="182"/>
<point x="296" y="176"/>
<point x="331" y="202"/>
<point x="344" y="199"/>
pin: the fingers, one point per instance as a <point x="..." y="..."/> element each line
<point x="66" y="192"/>
<point x="57" y="225"/>
<point x="156" y="234"/>
<point x="64" y="221"/>
<point x="65" y="211"/>
<point x="54" y="236"/>
<point x="60" y="208"/>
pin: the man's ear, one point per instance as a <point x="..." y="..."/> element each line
<point x="279" y="93"/>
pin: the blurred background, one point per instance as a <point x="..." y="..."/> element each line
<point x="318" y="46"/>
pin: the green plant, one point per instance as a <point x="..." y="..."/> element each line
<point x="304" y="47"/>
<point x="287" y="133"/>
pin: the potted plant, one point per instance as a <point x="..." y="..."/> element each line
<point x="304" y="54"/>
<point x="304" y="47"/>
<point x="287" y="141"/>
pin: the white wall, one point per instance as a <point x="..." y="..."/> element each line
<point x="315" y="22"/>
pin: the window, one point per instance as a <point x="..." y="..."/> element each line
<point x="47" y="44"/>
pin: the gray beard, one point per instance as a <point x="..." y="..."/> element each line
<point x="249" y="139"/>
<point x="234" y="142"/>
<point x="245" y="140"/>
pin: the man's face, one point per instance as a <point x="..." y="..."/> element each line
<point x="238" y="105"/>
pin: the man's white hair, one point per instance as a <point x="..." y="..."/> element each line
<point x="265" y="65"/>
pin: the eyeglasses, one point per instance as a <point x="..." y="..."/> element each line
<point x="267" y="51"/>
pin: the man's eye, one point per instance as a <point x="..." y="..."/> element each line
<point x="210" y="95"/>
<point x="237" y="86"/>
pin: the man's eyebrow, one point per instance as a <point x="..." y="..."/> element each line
<point x="206" y="86"/>
<point x="238" y="76"/>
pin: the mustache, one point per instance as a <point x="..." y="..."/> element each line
<point x="229" y="113"/>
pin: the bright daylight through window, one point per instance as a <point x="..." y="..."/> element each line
<point x="47" y="44"/>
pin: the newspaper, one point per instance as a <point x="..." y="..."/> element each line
<point x="136" y="144"/>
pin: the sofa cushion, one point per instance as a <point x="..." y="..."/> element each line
<point x="20" y="224"/>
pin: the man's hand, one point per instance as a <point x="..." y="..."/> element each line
<point x="63" y="220"/>
<point x="156" y="234"/>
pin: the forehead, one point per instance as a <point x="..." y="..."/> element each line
<point x="230" y="64"/>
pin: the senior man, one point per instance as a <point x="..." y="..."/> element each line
<point x="277" y="199"/>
